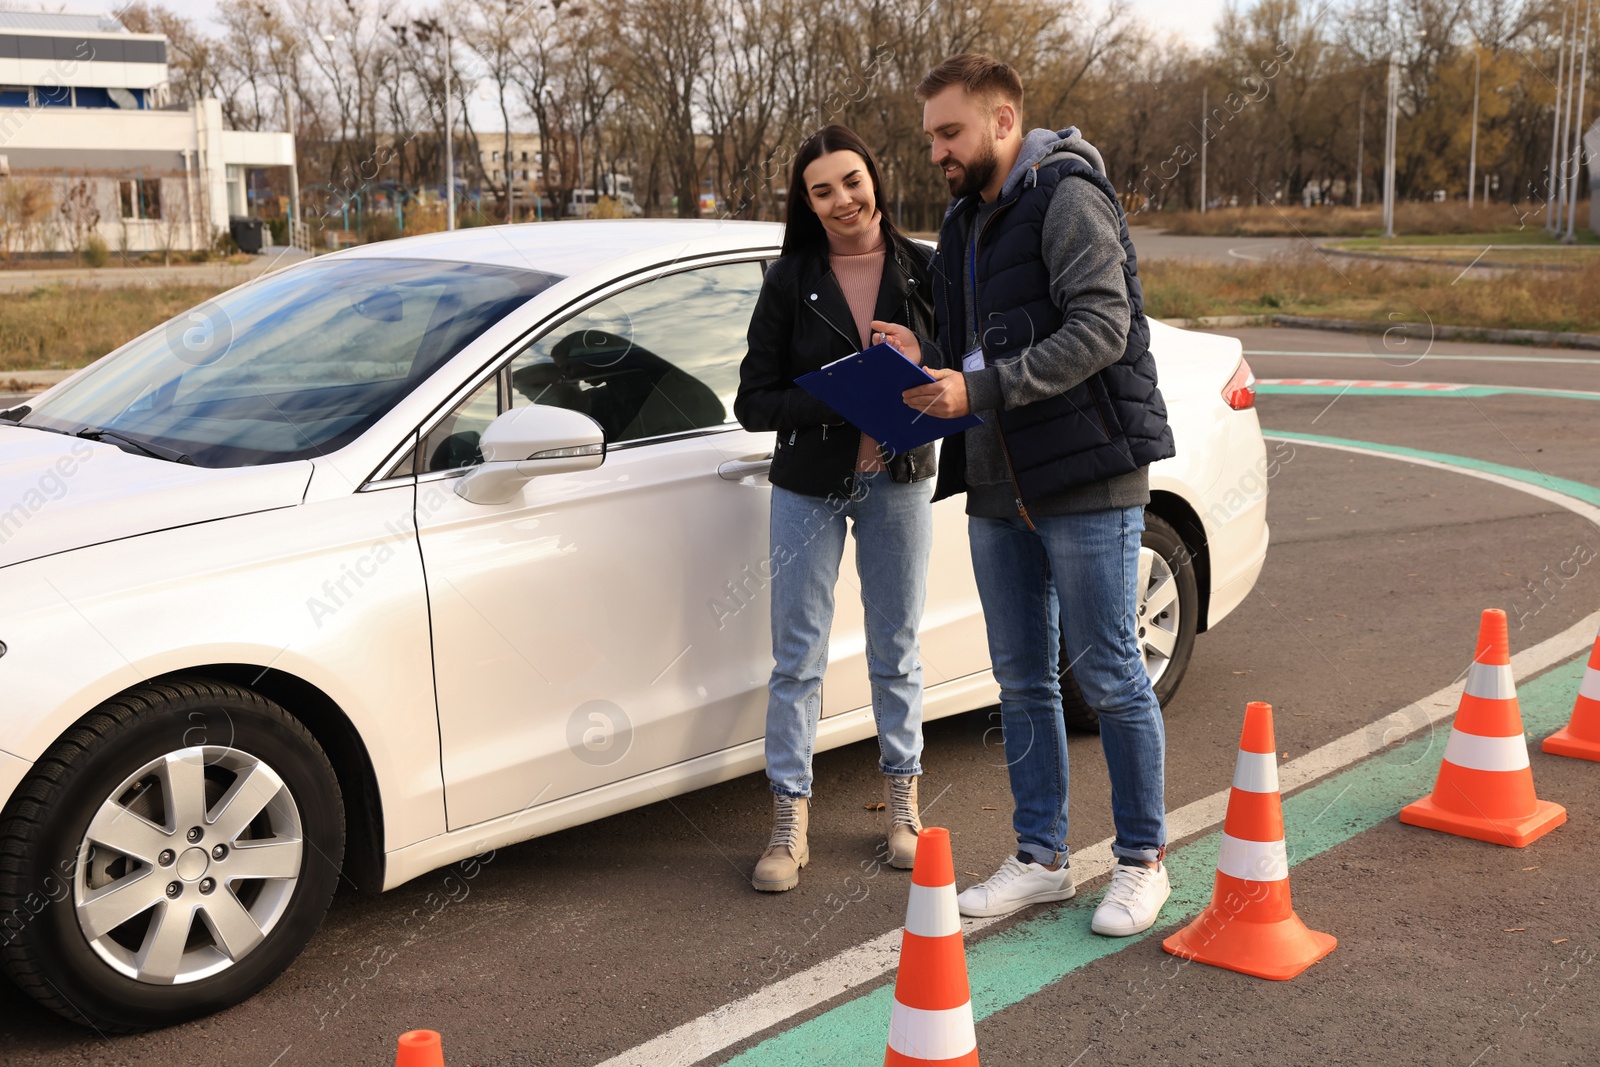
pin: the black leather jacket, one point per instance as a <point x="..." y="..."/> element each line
<point x="802" y="322"/>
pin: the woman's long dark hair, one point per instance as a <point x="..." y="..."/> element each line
<point x="803" y="231"/>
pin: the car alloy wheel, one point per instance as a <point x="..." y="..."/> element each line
<point x="188" y="865"/>
<point x="168" y="856"/>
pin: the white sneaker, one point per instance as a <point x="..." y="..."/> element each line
<point x="1013" y="887"/>
<point x="1133" y="900"/>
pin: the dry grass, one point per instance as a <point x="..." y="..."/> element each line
<point x="1344" y="289"/>
<point x="1271" y="221"/>
<point x="61" y="326"/>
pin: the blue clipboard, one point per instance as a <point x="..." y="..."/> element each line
<point x="865" y="388"/>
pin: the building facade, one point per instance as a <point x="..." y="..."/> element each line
<point x="91" y="144"/>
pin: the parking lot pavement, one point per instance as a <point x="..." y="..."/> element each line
<point x="1151" y="243"/>
<point x="575" y="948"/>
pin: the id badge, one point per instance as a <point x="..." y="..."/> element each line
<point x="972" y="361"/>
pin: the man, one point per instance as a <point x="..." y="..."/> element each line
<point x="1041" y="332"/>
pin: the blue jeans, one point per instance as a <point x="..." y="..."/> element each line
<point x="893" y="525"/>
<point x="1075" y="576"/>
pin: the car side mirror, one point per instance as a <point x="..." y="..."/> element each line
<point x="529" y="441"/>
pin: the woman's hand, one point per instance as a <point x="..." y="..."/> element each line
<point x="900" y="338"/>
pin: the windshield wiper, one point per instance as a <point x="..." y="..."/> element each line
<point x="16" y="414"/>
<point x="157" y="451"/>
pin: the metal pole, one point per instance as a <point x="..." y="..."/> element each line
<point x="1472" y="164"/>
<point x="1389" y="148"/>
<point x="1205" y="118"/>
<point x="1550" y="220"/>
<point x="1577" y="128"/>
<point x="1566" y="123"/>
<point x="449" y="137"/>
<point x="1361" y="144"/>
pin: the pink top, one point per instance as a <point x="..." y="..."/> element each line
<point x="859" y="273"/>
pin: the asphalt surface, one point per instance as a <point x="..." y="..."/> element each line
<point x="1156" y="244"/>
<point x="573" y="948"/>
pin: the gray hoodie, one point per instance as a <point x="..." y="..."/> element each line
<point x="1082" y="248"/>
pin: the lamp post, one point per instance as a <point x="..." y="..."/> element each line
<point x="449" y="134"/>
<point x="1361" y="144"/>
<point x="1389" y="147"/>
<point x="1552" y="220"/>
<point x="1472" y="163"/>
<point x="1205" y="118"/>
<point x="1571" y="236"/>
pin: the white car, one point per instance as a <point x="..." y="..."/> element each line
<point x="306" y="582"/>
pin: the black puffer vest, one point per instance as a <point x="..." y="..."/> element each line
<point x="1114" y="422"/>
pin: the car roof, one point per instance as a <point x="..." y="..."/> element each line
<point x="579" y="246"/>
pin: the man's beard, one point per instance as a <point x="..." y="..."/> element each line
<point x="975" y="175"/>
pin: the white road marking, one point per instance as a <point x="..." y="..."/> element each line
<point x="732" y="1023"/>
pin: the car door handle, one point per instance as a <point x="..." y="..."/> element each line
<point x="736" y="470"/>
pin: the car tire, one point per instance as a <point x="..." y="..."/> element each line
<point x="226" y="834"/>
<point x="1167" y="657"/>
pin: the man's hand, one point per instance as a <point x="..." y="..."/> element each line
<point x="899" y="338"/>
<point x="945" y="398"/>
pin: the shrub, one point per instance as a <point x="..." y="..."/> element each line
<point x="96" y="252"/>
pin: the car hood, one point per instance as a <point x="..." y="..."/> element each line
<point x="58" y="493"/>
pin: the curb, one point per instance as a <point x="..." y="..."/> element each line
<point x="30" y="381"/>
<point x="1428" y="331"/>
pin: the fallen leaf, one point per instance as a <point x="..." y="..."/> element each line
<point x="1338" y="616"/>
<point x="974" y="874"/>
<point x="1286" y="755"/>
<point x="1241" y="672"/>
<point x="874" y="806"/>
<point x="1302" y="714"/>
<point x="1561" y="941"/>
<point x="1515" y="929"/>
<point x="1535" y="867"/>
<point x="986" y="807"/>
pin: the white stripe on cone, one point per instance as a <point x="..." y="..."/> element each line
<point x="1590" y="686"/>
<point x="1253" y="861"/>
<point x="932" y="911"/>
<point x="932" y="1035"/>
<point x="1477" y="753"/>
<point x="1256" y="772"/>
<point x="1490" y="681"/>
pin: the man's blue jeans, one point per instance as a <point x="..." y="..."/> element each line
<point x="1076" y="577"/>
<point x="893" y="526"/>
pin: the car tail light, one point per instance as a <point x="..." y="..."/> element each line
<point x="1240" y="392"/>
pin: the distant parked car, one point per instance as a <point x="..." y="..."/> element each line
<point x="423" y="548"/>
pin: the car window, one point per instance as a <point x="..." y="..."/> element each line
<point x="291" y="366"/>
<point x="453" y="442"/>
<point x="660" y="358"/>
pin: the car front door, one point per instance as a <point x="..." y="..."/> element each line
<point x="608" y="623"/>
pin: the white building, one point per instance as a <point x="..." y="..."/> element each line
<point x="84" y="110"/>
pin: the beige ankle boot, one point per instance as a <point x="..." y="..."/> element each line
<point x="779" y="866"/>
<point x="900" y="809"/>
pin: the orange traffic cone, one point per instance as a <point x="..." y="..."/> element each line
<point x="419" y="1048"/>
<point x="1581" y="736"/>
<point x="1485" y="785"/>
<point x="932" y="1017"/>
<point x="1250" y="925"/>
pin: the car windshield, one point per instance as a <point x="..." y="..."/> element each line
<point x="289" y="367"/>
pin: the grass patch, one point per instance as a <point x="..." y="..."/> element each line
<point x="1272" y="221"/>
<point x="1307" y="284"/>
<point x="65" y="326"/>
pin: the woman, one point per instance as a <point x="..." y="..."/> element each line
<point x="844" y="273"/>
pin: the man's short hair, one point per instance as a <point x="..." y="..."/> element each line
<point x="982" y="75"/>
